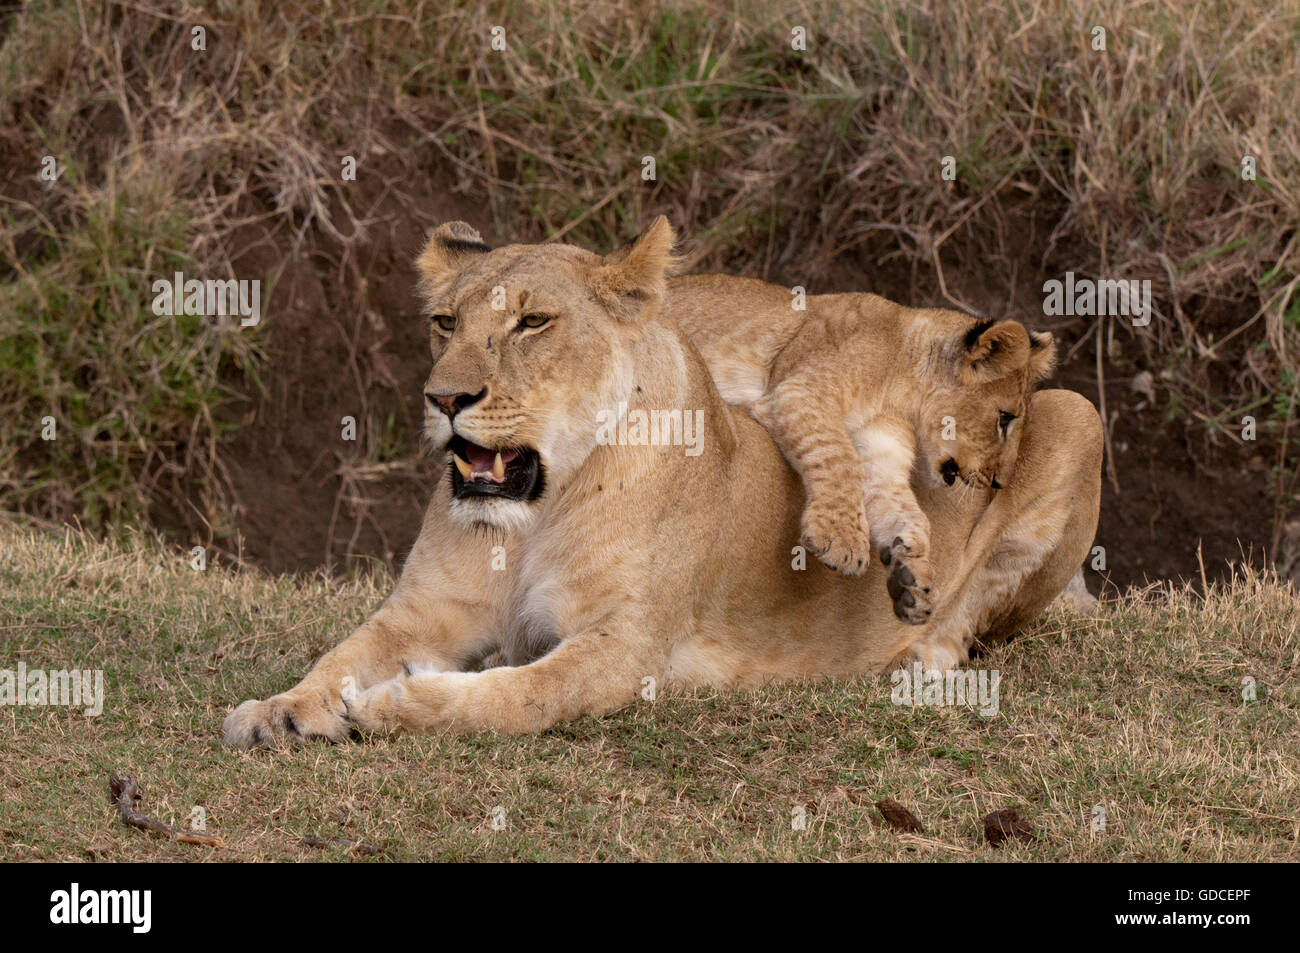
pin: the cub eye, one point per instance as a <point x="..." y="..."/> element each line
<point x="1004" y="421"/>
<point x="533" y="321"/>
<point x="445" y="322"/>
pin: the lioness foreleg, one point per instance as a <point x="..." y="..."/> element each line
<point x="395" y="640"/>
<point x="593" y="673"/>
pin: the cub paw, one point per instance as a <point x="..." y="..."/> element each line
<point x="839" y="538"/>
<point x="910" y="582"/>
<point x="283" y="720"/>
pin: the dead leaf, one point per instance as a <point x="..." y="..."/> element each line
<point x="899" y="817"/>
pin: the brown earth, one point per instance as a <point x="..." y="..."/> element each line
<point x="346" y="338"/>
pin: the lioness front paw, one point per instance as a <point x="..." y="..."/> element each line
<point x="839" y="538"/>
<point x="910" y="581"/>
<point x="283" y="719"/>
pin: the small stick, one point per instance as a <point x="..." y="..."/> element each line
<point x="1105" y="422"/>
<point x="124" y="790"/>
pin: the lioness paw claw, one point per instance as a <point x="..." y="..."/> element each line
<point x="281" y="720"/>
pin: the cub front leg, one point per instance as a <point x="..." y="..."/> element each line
<point x="810" y="432"/>
<point x="900" y="530"/>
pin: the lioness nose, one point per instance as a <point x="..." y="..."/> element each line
<point x="452" y="404"/>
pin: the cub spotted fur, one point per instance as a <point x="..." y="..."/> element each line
<point x="858" y="392"/>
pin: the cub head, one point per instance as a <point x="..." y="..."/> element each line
<point x="529" y="343"/>
<point x="975" y="414"/>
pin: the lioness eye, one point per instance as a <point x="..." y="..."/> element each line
<point x="1004" y="421"/>
<point x="534" y="320"/>
<point x="446" y="322"/>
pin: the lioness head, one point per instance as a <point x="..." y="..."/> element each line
<point x="529" y="343"/>
<point x="975" y="415"/>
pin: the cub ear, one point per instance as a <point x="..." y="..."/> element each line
<point x="1042" y="354"/>
<point x="451" y="247"/>
<point x="994" y="349"/>
<point x="635" y="276"/>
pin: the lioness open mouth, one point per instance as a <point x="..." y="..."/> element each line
<point x="512" y="473"/>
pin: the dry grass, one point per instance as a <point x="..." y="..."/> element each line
<point x="775" y="162"/>
<point x="1138" y="710"/>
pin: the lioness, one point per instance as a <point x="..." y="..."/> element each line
<point x="860" y="392"/>
<point x="629" y="563"/>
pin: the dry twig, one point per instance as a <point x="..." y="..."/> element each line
<point x="125" y="791"/>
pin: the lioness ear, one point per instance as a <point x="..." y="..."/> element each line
<point x="995" y="349"/>
<point x="633" y="277"/>
<point x="449" y="249"/>
<point x="1042" y="354"/>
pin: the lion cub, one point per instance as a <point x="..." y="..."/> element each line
<point x="862" y="395"/>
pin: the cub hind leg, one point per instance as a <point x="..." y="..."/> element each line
<point x="808" y="425"/>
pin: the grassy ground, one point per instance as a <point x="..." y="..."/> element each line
<point x="1138" y="709"/>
